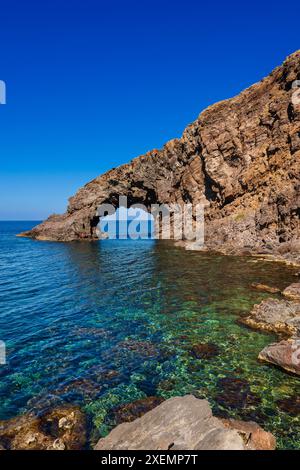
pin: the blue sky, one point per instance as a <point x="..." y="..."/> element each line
<point x="92" y="84"/>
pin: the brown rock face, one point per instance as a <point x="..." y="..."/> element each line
<point x="241" y="158"/>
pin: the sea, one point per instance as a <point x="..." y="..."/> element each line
<point x="103" y="324"/>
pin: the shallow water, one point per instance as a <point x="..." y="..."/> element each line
<point x="104" y="323"/>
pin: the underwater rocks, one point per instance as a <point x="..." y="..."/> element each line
<point x="143" y="348"/>
<point x="274" y="315"/>
<point x="285" y="354"/>
<point x="290" y="405"/>
<point x="265" y="288"/>
<point x="292" y="292"/>
<point x="205" y="350"/>
<point x="130" y="411"/>
<point x="62" y="428"/>
<point x="235" y="393"/>
<point x="182" y="423"/>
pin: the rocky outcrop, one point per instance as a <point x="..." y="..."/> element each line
<point x="185" y="423"/>
<point x="276" y="316"/>
<point x="285" y="354"/>
<point x="59" y="429"/>
<point x="292" y="292"/>
<point x="281" y="317"/>
<point x="240" y="158"/>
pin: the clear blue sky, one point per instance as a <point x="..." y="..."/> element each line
<point x="93" y="83"/>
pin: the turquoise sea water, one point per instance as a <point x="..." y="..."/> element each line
<point x="105" y="323"/>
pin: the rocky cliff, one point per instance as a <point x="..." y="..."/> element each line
<point x="241" y="157"/>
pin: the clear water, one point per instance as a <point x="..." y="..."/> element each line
<point x="105" y="323"/>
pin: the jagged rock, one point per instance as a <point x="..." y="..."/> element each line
<point x="278" y="316"/>
<point x="180" y="423"/>
<point x="292" y="292"/>
<point x="240" y="158"/>
<point x="59" y="429"/>
<point x="265" y="288"/>
<point x="285" y="354"/>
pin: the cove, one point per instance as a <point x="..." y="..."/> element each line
<point x="104" y="324"/>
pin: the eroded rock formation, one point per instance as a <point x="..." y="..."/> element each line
<point x="241" y="158"/>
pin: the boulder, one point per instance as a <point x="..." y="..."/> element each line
<point x="181" y="423"/>
<point x="285" y="354"/>
<point x="292" y="292"/>
<point x="278" y="316"/>
<point x="253" y="435"/>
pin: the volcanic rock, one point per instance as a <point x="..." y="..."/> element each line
<point x="240" y="159"/>
<point x="181" y="423"/>
<point x="285" y="354"/>
<point x="278" y="316"/>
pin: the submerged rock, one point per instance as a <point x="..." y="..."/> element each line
<point x="180" y="423"/>
<point x="130" y="411"/>
<point x="265" y="288"/>
<point x="290" y="405"/>
<point x="278" y="316"/>
<point x="235" y="393"/>
<point x="205" y="350"/>
<point x="60" y="429"/>
<point x="285" y="354"/>
<point x="292" y="292"/>
<point x="144" y="348"/>
<point x="86" y="388"/>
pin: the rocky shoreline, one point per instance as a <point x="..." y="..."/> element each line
<point x="281" y="317"/>
<point x="180" y="423"/>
